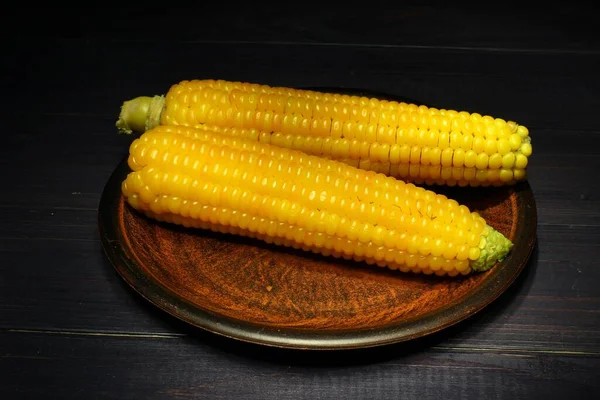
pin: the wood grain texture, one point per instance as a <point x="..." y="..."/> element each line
<point x="62" y="88"/>
<point x="488" y="27"/>
<point x="120" y="366"/>
<point x="502" y="84"/>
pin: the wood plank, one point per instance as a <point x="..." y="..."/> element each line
<point x="36" y="364"/>
<point x="63" y="284"/>
<point x="553" y="305"/>
<point x="488" y="27"/>
<point x="505" y="85"/>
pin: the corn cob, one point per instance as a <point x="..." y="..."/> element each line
<point x="203" y="179"/>
<point x="406" y="141"/>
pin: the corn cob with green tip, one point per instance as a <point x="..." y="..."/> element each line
<point x="203" y="179"/>
<point x="407" y="141"/>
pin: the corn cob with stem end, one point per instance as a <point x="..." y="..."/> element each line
<point x="203" y="179"/>
<point x="407" y="141"/>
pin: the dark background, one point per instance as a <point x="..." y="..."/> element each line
<point x="70" y="327"/>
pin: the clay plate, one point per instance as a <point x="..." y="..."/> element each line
<point x="251" y="291"/>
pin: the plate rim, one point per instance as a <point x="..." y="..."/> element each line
<point x="115" y="249"/>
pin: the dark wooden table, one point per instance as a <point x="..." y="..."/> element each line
<point x="71" y="328"/>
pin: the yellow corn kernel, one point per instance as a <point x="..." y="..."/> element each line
<point x="526" y="149"/>
<point x="435" y="156"/>
<point x="495" y="161"/>
<point x="383" y="127"/>
<point x="205" y="179"/>
<point x="458" y="158"/>
<point x="522" y="131"/>
<point x="515" y="141"/>
<point x="470" y="158"/>
<point x="506" y="175"/>
<point x="520" y="161"/>
<point x="519" y="174"/>
<point x="481" y="162"/>
<point x="491" y="146"/>
<point x="508" y="161"/>
<point x="479" y="144"/>
<point x="446" y="160"/>
<point x="503" y="146"/>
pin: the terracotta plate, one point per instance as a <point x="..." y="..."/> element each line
<point x="250" y="291"/>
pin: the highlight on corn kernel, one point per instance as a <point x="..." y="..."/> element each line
<point x="411" y="142"/>
<point x="199" y="178"/>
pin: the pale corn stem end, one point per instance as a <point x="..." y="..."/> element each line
<point x="140" y="114"/>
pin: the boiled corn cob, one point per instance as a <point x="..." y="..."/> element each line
<point x="407" y="141"/>
<point x="203" y="179"/>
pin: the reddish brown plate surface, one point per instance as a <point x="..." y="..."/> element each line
<point x="251" y="291"/>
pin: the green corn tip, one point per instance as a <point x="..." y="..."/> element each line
<point x="494" y="248"/>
